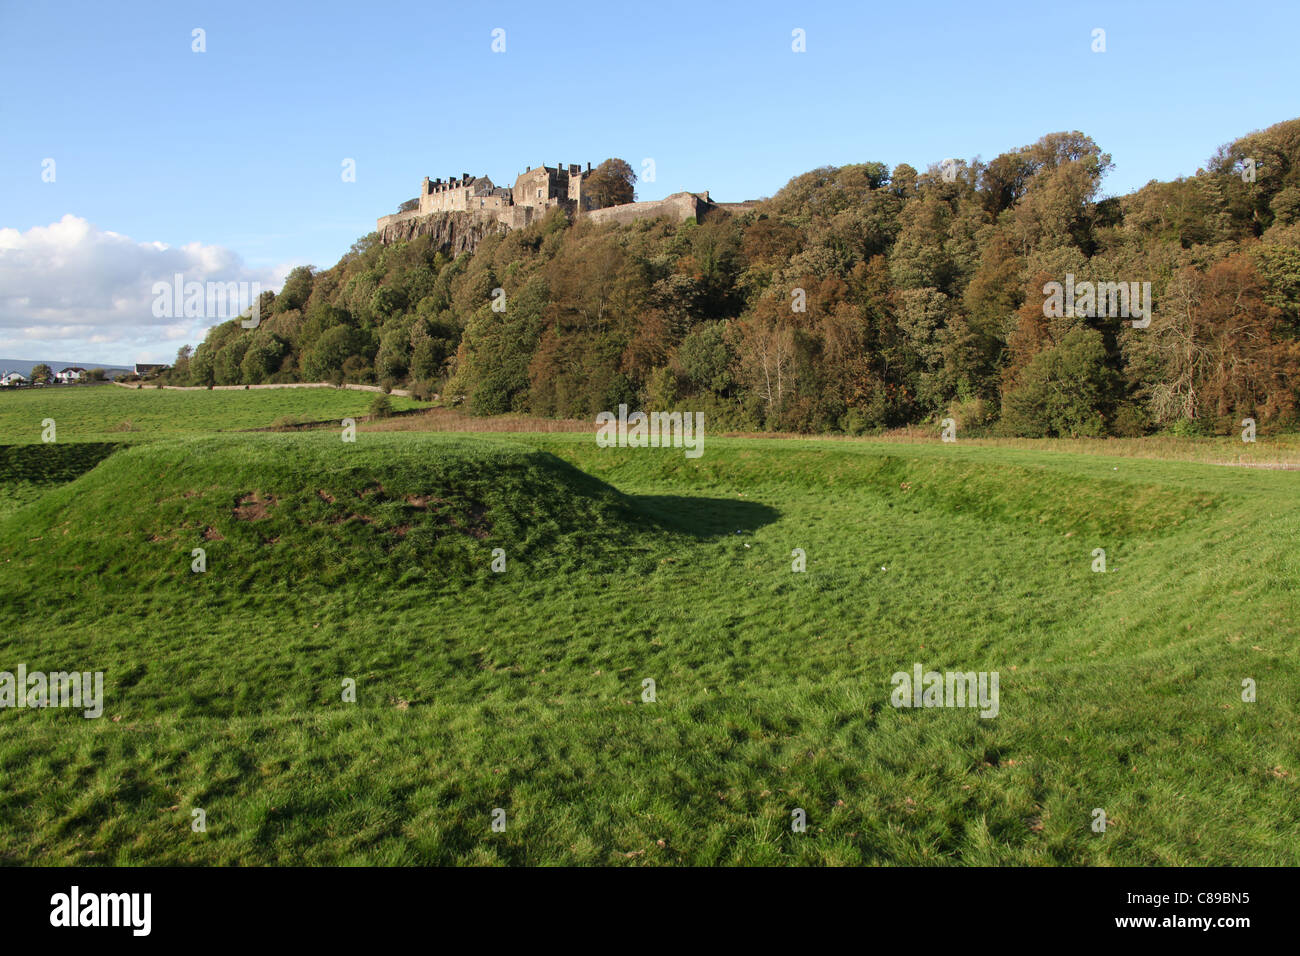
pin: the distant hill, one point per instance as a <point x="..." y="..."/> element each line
<point x="25" y="366"/>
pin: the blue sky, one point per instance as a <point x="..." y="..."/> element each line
<point x="235" y="153"/>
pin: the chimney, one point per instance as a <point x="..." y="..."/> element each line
<point x="588" y="167"/>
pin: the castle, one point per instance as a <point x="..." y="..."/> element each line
<point x="536" y="191"/>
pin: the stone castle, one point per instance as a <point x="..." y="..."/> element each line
<point x="536" y="191"/>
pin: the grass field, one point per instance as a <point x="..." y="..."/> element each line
<point x="522" y="690"/>
<point x="112" y="413"/>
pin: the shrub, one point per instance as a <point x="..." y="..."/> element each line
<point x="381" y="407"/>
<point x="1190" y="428"/>
<point x="1063" y="390"/>
<point x="972" y="415"/>
<point x="1131" y="421"/>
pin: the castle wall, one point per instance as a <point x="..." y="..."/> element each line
<point x="678" y="206"/>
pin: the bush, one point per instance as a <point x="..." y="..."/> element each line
<point x="381" y="407"/>
<point x="855" y="422"/>
<point x="972" y="415"/>
<point x="1131" y="421"/>
<point x="422" y="391"/>
<point x="1063" y="391"/>
<point x="1190" y="428"/>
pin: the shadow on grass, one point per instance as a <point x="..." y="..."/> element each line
<point x="704" y="517"/>
<point x="52" y="463"/>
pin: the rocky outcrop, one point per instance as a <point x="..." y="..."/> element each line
<point x="453" y="232"/>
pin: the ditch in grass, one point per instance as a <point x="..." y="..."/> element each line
<point x="522" y="690"/>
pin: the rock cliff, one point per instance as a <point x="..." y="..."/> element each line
<point x="454" y="232"/>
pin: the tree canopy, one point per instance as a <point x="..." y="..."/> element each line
<point x="858" y="297"/>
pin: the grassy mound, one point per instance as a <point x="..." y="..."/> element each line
<point x="299" y="511"/>
<point x="28" y="471"/>
<point x="1121" y="688"/>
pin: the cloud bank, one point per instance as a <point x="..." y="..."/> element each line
<point x="73" y="290"/>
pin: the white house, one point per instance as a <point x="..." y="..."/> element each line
<point x="70" y="374"/>
<point x="13" y="378"/>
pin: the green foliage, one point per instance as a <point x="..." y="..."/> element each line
<point x="857" y="298"/>
<point x="707" y="359"/>
<point x="1064" y="391"/>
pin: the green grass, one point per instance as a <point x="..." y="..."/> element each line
<point x="522" y="690"/>
<point x="112" y="413"/>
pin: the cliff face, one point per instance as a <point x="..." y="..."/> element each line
<point x="454" y="232"/>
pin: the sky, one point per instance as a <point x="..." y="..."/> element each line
<point x="127" y="157"/>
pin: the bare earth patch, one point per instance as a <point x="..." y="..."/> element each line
<point x="253" y="507"/>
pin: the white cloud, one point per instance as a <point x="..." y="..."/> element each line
<point x="71" y="289"/>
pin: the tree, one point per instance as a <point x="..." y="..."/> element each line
<point x="1216" y="349"/>
<point x="765" y="350"/>
<point x="612" y="183"/>
<point x="1064" y="391"/>
<point x="296" y="290"/>
<point x="41" y="373"/>
<point x="706" y="358"/>
<point x="329" y="352"/>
